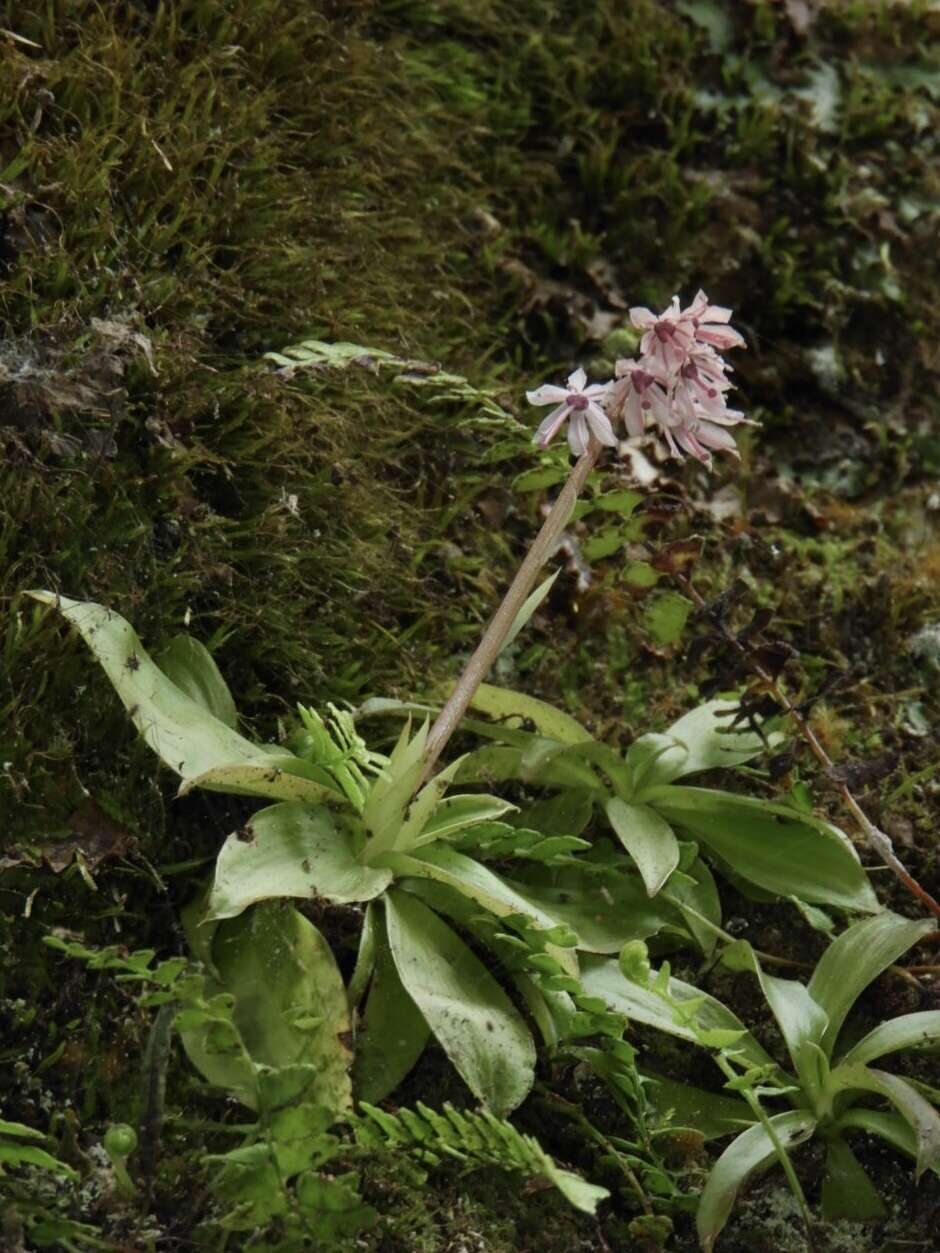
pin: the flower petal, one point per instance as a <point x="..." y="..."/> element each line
<point x="547" y="394"/>
<point x="642" y="318"/>
<point x="719" y="336"/>
<point x="600" y="425"/>
<point x="550" y="426"/>
<point x="577" y="380"/>
<point x="578" y="434"/>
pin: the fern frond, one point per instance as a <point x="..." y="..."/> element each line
<point x="477" y="1139"/>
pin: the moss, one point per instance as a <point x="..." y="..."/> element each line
<point x="187" y="185"/>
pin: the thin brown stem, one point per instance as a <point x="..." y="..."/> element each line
<point x="488" y="649"/>
<point x="876" y="838"/>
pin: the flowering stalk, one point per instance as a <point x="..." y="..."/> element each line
<point x="489" y="647"/>
<point x="678" y="386"/>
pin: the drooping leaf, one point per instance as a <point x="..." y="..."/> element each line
<point x="700" y="740"/>
<point x="648" y="838"/>
<point x="770" y="845"/>
<point x="921" y="1116"/>
<point x="910" y="1031"/>
<point x="473" y="1019"/>
<point x="847" y="1191"/>
<point x="752" y="1150"/>
<point x="891" y="1127"/>
<point x="393" y="1033"/>
<point x="189" y="664"/>
<point x="854" y="959"/>
<point x="604" y="979"/>
<point x="290" y="850"/>
<point x="181" y="731"/>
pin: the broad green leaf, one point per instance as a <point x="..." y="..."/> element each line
<point x="648" y="838"/>
<point x="189" y="664"/>
<point x="290" y="850"/>
<point x="856" y="957"/>
<point x="913" y="1108"/>
<point x="532" y="603"/>
<point x="474" y="880"/>
<point x="751" y="1151"/>
<point x="847" y="1191"/>
<point x="710" y="1113"/>
<point x="910" y="1031"/>
<point x="553" y="724"/>
<point x="701" y="740"/>
<point x="181" y="731"/>
<point x="770" y="845"/>
<point x="365" y="959"/>
<point x="603" y="979"/>
<point x="393" y="1034"/>
<point x="801" y="1020"/>
<point x="20" y="1130"/>
<point x="566" y="813"/>
<point x="604" y="911"/>
<point x="473" y="1019"/>
<point x="290" y="1001"/>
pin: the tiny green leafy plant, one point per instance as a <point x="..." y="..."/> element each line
<point x="830" y="1086"/>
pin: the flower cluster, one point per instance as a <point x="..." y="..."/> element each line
<point x="679" y="385"/>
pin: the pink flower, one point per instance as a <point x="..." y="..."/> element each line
<point x="580" y="404"/>
<point x="667" y="338"/>
<point x="638" y="395"/>
<point x="709" y="324"/>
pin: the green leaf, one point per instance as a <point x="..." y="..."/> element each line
<point x="665" y="615"/>
<point x="30" y="1155"/>
<point x="752" y="1150"/>
<point x="420" y="810"/>
<point x="290" y="1001"/>
<point x="473" y="880"/>
<point x="603" y="978"/>
<point x="393" y="1034"/>
<point x="801" y="1020"/>
<point x="20" y="1130"/>
<point x="847" y="1191"/>
<point x="290" y="850"/>
<point x="458" y="813"/>
<point x="648" y="838"/>
<point x="920" y="1115"/>
<point x="553" y="724"/>
<point x="190" y="665"/>
<point x="910" y="1031"/>
<point x="771" y="845"/>
<point x="273" y="777"/>
<point x="532" y="603"/>
<point x="709" y="1113"/>
<point x="605" y="912"/>
<point x="701" y="740"/>
<point x="695" y="895"/>
<point x="391" y="793"/>
<point x="477" y="1025"/>
<point x="856" y="957"/>
<point x="181" y="731"/>
<point x="891" y="1127"/>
